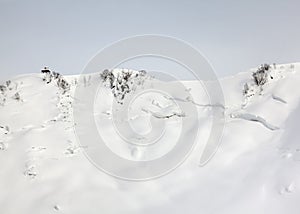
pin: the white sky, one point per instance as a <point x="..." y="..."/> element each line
<point x="65" y="34"/>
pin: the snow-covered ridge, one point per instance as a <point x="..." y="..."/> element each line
<point x="256" y="166"/>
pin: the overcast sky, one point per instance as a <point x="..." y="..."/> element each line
<point x="65" y="34"/>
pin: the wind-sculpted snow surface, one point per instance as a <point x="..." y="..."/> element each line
<point x="254" y="118"/>
<point x="278" y="99"/>
<point x="43" y="169"/>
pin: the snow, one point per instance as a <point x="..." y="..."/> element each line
<point x="44" y="169"/>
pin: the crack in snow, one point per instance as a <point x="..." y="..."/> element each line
<point x="188" y="99"/>
<point x="160" y="116"/>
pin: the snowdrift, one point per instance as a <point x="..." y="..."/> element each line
<point x="43" y="168"/>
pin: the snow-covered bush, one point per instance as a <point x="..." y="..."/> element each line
<point x="4" y="129"/>
<point x="260" y="78"/>
<point x="107" y="77"/>
<point x="261" y="75"/>
<point x="122" y="82"/>
<point x="63" y="85"/>
<point x="3" y="89"/>
<point x="55" y="76"/>
<point x="17" y="96"/>
<point x="47" y="75"/>
<point x="251" y="89"/>
<point x="8" y="82"/>
<point x="246" y="89"/>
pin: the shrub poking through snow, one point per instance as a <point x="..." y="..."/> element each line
<point x="55" y="76"/>
<point x="261" y="75"/>
<point x="3" y="89"/>
<point x="248" y="89"/>
<point x="47" y="75"/>
<point x="260" y="78"/>
<point x="4" y="129"/>
<point x="17" y="96"/>
<point x="122" y="82"/>
<point x="8" y="82"/>
<point x="108" y="77"/>
<point x="63" y="85"/>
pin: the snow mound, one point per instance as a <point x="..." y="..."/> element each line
<point x="43" y="168"/>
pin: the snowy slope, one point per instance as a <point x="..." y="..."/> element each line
<point x="256" y="169"/>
